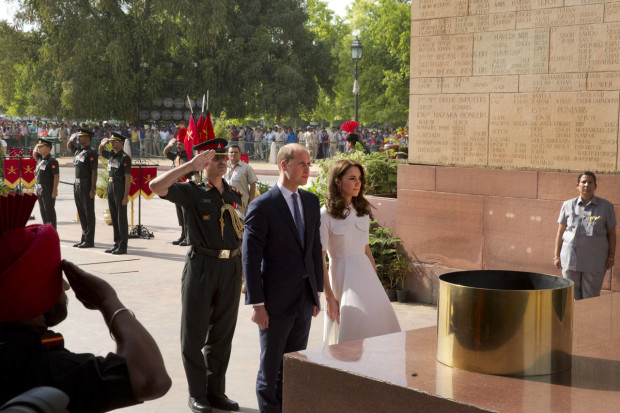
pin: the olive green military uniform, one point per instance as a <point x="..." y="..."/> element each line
<point x="210" y="285"/>
<point x="47" y="169"/>
<point x="85" y="161"/>
<point x="119" y="165"/>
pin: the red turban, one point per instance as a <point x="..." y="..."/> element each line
<point x="30" y="272"/>
<point x="182" y="134"/>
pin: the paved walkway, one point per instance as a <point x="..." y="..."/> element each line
<point x="148" y="281"/>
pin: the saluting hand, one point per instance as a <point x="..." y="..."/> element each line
<point x="200" y="161"/>
<point x="92" y="291"/>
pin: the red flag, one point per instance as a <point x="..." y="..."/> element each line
<point x="28" y="167"/>
<point x="11" y="172"/>
<point x="148" y="174"/>
<point x="192" y="137"/>
<point x="202" y="129"/>
<point x="209" y="128"/>
<point x="134" y="188"/>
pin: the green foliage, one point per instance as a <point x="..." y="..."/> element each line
<point x="399" y="268"/>
<point x="101" y="190"/>
<point x="107" y="59"/>
<point x="384" y="28"/>
<point x="383" y="247"/>
<point x="381" y="173"/>
<point x="221" y="127"/>
<point x="262" y="187"/>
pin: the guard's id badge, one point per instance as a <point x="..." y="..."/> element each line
<point x="589" y="230"/>
<point x="42" y="166"/>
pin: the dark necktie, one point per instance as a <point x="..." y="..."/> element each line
<point x="298" y="220"/>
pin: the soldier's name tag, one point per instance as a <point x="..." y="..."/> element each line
<point x="205" y="201"/>
<point x="206" y="217"/>
<point x="589" y="230"/>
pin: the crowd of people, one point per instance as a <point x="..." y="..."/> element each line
<point x="149" y="140"/>
<point x="322" y="142"/>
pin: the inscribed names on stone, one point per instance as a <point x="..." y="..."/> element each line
<point x="604" y="81"/>
<point x="563" y="130"/>
<point x="502" y="6"/>
<point x="480" y="84"/>
<point x="560" y="17"/>
<point x="428" y="27"/>
<point x="612" y="12"/>
<point x="480" y="23"/>
<point x="564" y="82"/>
<point x="425" y="85"/>
<point x="448" y="55"/>
<point x="593" y="47"/>
<point x="511" y="52"/>
<point x="433" y="9"/>
<point x="449" y="129"/>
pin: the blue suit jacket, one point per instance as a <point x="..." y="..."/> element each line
<point x="274" y="263"/>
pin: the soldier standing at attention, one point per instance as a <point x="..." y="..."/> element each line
<point x="119" y="181"/>
<point x="85" y="161"/>
<point x="47" y="180"/>
<point x="179" y="158"/>
<point x="211" y="282"/>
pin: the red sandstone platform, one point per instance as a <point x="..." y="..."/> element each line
<point x="399" y="372"/>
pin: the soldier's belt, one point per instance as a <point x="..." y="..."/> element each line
<point x="216" y="253"/>
<point x="116" y="180"/>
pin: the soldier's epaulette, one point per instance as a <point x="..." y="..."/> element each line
<point x="232" y="188"/>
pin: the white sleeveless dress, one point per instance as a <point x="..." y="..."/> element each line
<point x="365" y="310"/>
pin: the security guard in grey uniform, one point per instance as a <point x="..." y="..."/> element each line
<point x="85" y="161"/>
<point x="47" y="174"/>
<point x="211" y="282"/>
<point x="119" y="182"/>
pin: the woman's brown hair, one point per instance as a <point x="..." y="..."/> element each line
<point x="334" y="202"/>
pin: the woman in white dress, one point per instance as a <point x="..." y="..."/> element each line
<point x="356" y="304"/>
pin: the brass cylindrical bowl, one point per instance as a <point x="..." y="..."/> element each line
<point x="505" y="322"/>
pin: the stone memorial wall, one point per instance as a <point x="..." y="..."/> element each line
<point x="515" y="84"/>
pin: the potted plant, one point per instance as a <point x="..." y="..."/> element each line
<point x="101" y="190"/>
<point x="383" y="247"/>
<point x="399" y="268"/>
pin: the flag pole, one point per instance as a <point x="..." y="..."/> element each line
<point x="203" y="104"/>
<point x="189" y="103"/>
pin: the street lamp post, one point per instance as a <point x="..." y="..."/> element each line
<point x="356" y="55"/>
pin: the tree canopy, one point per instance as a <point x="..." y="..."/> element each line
<point x="278" y="59"/>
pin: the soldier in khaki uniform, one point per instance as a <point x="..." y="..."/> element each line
<point x="48" y="176"/>
<point x="119" y="169"/>
<point x="211" y="282"/>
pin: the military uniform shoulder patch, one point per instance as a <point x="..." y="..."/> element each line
<point x="235" y="190"/>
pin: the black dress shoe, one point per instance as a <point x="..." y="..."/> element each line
<point x="183" y="243"/>
<point x="119" y="251"/>
<point x="77" y="244"/>
<point x="222" y="402"/>
<point x="86" y="245"/>
<point x="109" y="250"/>
<point x="180" y="240"/>
<point x="199" y="405"/>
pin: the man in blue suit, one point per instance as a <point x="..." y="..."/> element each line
<point x="283" y="269"/>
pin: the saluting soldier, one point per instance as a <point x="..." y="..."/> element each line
<point x="85" y="160"/>
<point x="47" y="174"/>
<point x="179" y="158"/>
<point x="211" y="282"/>
<point x="119" y="182"/>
